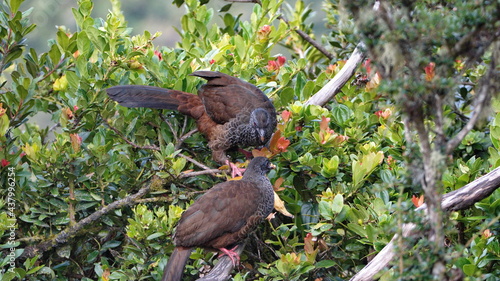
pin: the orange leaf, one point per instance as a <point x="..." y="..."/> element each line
<point x="374" y="82"/>
<point x="273" y="144"/>
<point x="323" y="124"/>
<point x="278" y="183"/>
<point x="429" y="71"/>
<point x="271" y="216"/>
<point x="285" y="115"/>
<point x="282" y="144"/>
<point x="309" y="243"/>
<point x="264" y="152"/>
<point x="417" y="201"/>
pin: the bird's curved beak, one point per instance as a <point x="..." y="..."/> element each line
<point x="272" y="166"/>
<point x="262" y="135"/>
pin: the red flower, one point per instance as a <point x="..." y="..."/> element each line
<point x="263" y="33"/>
<point x="487" y="234"/>
<point x="273" y="65"/>
<point x="281" y="61"/>
<point x="5" y="163"/>
<point x="212" y="61"/>
<point x="384" y="113"/>
<point x="367" y="66"/>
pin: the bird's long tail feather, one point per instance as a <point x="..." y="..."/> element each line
<point x="175" y="266"/>
<point x="146" y="96"/>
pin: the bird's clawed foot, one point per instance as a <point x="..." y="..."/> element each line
<point x="235" y="257"/>
<point x="235" y="170"/>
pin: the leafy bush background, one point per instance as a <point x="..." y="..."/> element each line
<point x="346" y="174"/>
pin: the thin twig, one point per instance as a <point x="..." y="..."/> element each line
<point x="129" y="141"/>
<point x="482" y="98"/>
<point x="171" y="129"/>
<point x="184" y="137"/>
<point x="301" y="33"/>
<point x="197" y="173"/>
<point x="309" y="40"/>
<point x="201" y="165"/>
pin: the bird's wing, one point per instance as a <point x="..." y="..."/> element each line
<point x="223" y="210"/>
<point x="225" y="96"/>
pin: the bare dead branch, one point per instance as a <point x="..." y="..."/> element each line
<point x="222" y="270"/>
<point x="332" y="88"/>
<point x="198" y="173"/>
<point x="201" y="165"/>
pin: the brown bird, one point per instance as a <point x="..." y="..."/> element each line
<point x="228" y="111"/>
<point x="223" y="216"/>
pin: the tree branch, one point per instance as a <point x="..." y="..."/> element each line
<point x="201" y="165"/>
<point x="481" y="100"/>
<point x="459" y="199"/>
<point x="69" y="233"/>
<point x="332" y="88"/>
<point x="222" y="270"/>
<point x="197" y="173"/>
<point x="301" y="33"/>
<point x="129" y="141"/>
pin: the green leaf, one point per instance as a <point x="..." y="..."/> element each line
<point x="240" y="45"/>
<point x="354" y="247"/>
<point x="155" y="235"/>
<point x="286" y="96"/>
<point x="341" y="113"/>
<point x="338" y="203"/>
<point x="363" y="167"/>
<point x="469" y="269"/>
<point x="73" y="80"/>
<point x="14" y="5"/>
<point x="325" y="210"/>
<point x="356" y="228"/>
<point x="225" y="8"/>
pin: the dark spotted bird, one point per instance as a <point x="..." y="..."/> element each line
<point x="223" y="217"/>
<point x="228" y="111"/>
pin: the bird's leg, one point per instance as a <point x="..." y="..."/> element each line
<point x="235" y="258"/>
<point x="235" y="171"/>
